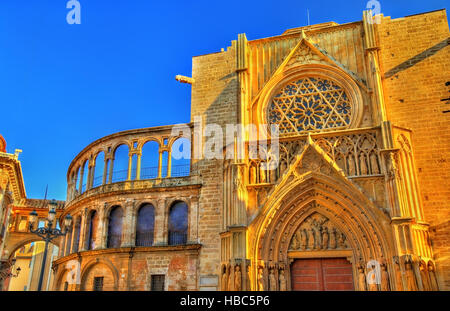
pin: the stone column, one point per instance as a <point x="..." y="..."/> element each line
<point x="160" y="223"/>
<point x="111" y="168"/>
<point x="130" y="164"/>
<point x="66" y="244"/>
<point x="138" y="168"/>
<point x="63" y="247"/>
<point x="105" y="168"/>
<point x="83" y="230"/>
<point x="102" y="229"/>
<point x="80" y="182"/>
<point x="160" y="163"/>
<point x="72" y="240"/>
<point x="128" y="224"/>
<point x="90" y="181"/>
<point x="193" y="219"/>
<point x="169" y="163"/>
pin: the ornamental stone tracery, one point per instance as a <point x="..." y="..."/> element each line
<point x="310" y="104"/>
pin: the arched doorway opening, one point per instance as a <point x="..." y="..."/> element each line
<point x="29" y="258"/>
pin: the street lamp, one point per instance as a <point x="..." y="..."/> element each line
<point x="47" y="233"/>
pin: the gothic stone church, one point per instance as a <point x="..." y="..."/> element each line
<point x="360" y="198"/>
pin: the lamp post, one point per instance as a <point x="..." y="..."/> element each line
<point x="47" y="233"/>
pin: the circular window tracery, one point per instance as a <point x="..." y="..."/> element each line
<point x="310" y="104"/>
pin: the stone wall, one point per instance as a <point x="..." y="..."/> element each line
<point x="415" y="61"/>
<point x="214" y="100"/>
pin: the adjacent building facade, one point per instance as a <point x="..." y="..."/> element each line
<point x="353" y="194"/>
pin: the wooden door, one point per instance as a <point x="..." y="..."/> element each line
<point x="324" y="274"/>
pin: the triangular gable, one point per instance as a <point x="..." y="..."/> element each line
<point x="312" y="159"/>
<point x="308" y="52"/>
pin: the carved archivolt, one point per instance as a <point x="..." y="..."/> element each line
<point x="314" y="207"/>
<point x="317" y="232"/>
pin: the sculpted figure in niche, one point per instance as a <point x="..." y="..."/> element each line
<point x="262" y="174"/>
<point x="260" y="279"/>
<point x="333" y="239"/>
<point x="342" y="241"/>
<point x="248" y="283"/>
<point x="398" y="273"/>
<point x="237" y="278"/>
<point x="231" y="279"/>
<point x="384" y="278"/>
<point x="434" y="285"/>
<point x="282" y="280"/>
<point x="424" y="276"/>
<point x="303" y="239"/>
<point x="374" y="164"/>
<point x="372" y="282"/>
<point x="295" y="244"/>
<point x="325" y="237"/>
<point x="272" y="280"/>
<point x="363" y="166"/>
<point x="361" y="279"/>
<point x="311" y="238"/>
<point x="410" y="277"/>
<point x="253" y="174"/>
<point x="351" y="165"/>
<point x="224" y="278"/>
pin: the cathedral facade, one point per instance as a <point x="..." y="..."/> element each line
<point x="352" y="193"/>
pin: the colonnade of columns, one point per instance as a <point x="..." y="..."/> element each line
<point x="83" y="175"/>
<point x="78" y="237"/>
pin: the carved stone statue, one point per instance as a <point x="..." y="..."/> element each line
<point x="253" y="174"/>
<point x="351" y="165"/>
<point x="262" y="174"/>
<point x="325" y="237"/>
<point x="398" y="274"/>
<point x="303" y="239"/>
<point x="248" y="281"/>
<point x="260" y="279"/>
<point x="341" y="241"/>
<point x="410" y="277"/>
<point x="374" y="164"/>
<point x="295" y="244"/>
<point x="224" y="279"/>
<point x="272" y="280"/>
<point x="317" y="232"/>
<point x="237" y="278"/>
<point x="424" y="276"/>
<point x="361" y="279"/>
<point x="434" y="285"/>
<point x="231" y="280"/>
<point x="282" y="280"/>
<point x="333" y="239"/>
<point x="372" y="283"/>
<point x="362" y="164"/>
<point x="384" y="278"/>
<point x="311" y="239"/>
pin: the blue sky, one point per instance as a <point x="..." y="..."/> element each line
<point x="63" y="86"/>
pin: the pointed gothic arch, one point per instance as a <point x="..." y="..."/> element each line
<point x="314" y="185"/>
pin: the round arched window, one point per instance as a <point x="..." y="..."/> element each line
<point x="310" y="104"/>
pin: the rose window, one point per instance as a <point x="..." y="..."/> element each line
<point x="310" y="104"/>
